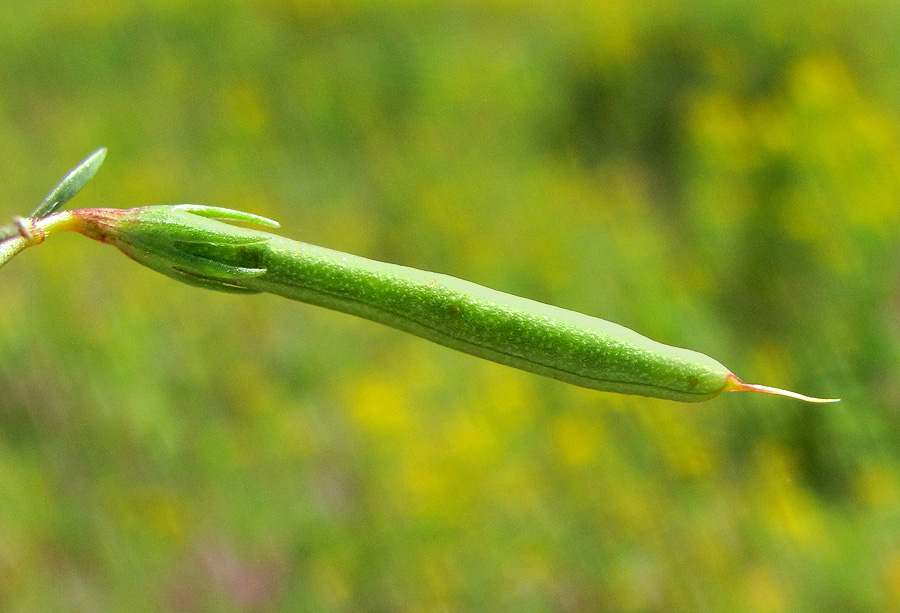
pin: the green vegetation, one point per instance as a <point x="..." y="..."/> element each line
<point x="190" y="243"/>
<point x="723" y="176"/>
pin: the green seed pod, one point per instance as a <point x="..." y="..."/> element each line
<point x="187" y="243"/>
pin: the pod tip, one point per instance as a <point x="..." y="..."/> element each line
<point x="736" y="385"/>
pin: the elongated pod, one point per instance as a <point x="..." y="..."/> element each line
<point x="185" y="242"/>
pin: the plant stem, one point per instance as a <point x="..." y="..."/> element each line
<point x="24" y="233"/>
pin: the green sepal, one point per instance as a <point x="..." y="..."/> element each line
<point x="217" y="212"/>
<point x="187" y="243"/>
<point x="206" y="283"/>
<point x="207" y="267"/>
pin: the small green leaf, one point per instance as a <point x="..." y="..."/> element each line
<point x="71" y="184"/>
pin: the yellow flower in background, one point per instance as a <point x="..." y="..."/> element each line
<point x="576" y="439"/>
<point x="379" y="405"/>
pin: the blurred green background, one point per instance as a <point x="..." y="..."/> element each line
<point x="719" y="175"/>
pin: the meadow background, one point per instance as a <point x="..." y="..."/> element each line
<point x="718" y="175"/>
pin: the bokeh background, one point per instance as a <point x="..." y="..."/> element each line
<point x="718" y="175"/>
